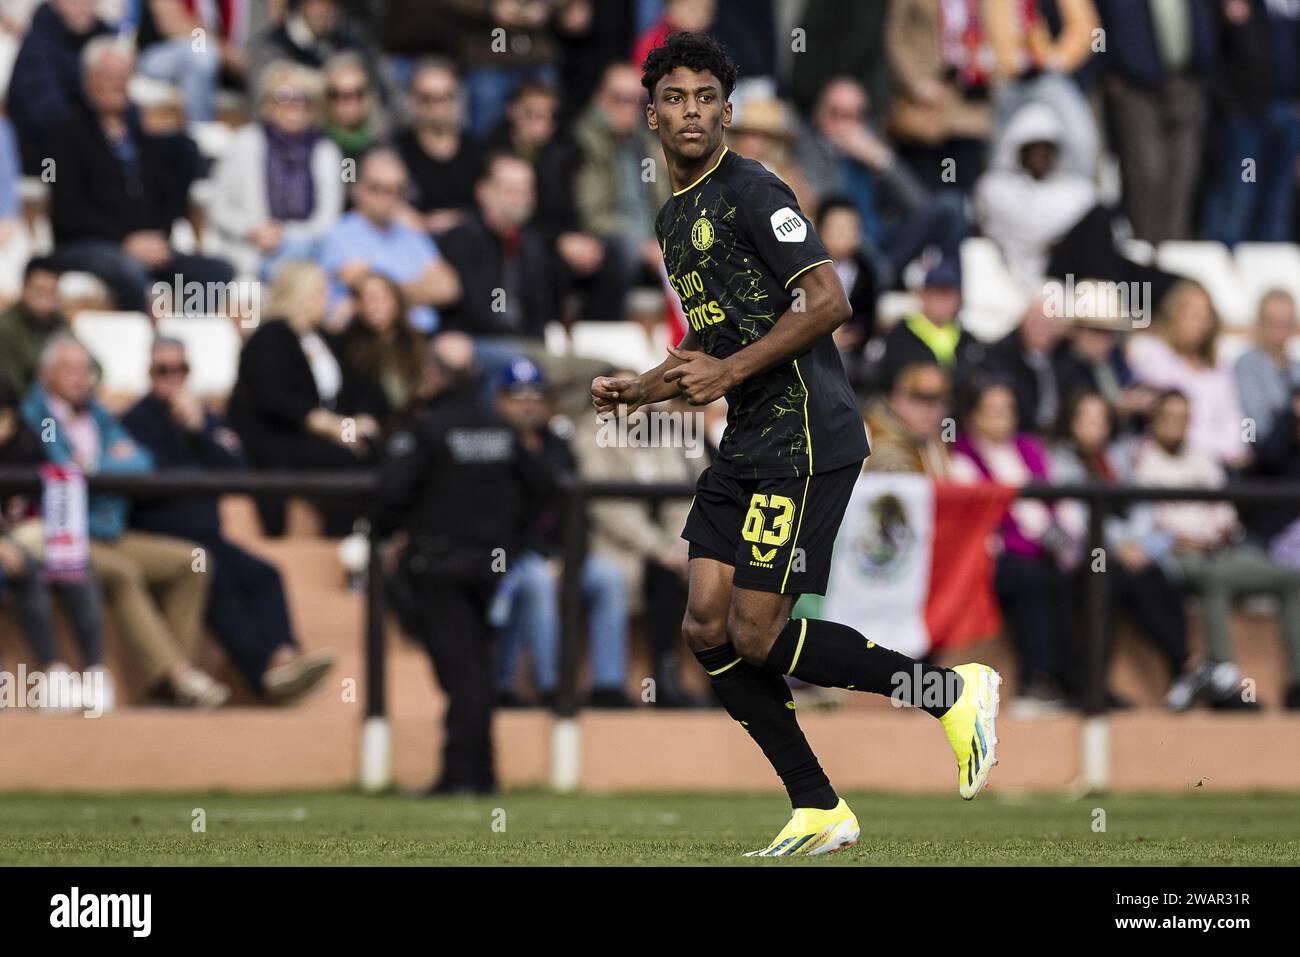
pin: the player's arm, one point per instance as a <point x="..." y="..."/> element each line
<point x="818" y="312"/>
<point x="607" y="392"/>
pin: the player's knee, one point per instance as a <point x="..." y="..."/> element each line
<point x="751" y="637"/>
<point x="700" y="632"/>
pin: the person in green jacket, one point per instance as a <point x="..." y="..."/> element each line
<point x="28" y="324"/>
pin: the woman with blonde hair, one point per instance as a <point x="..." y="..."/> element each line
<point x="289" y="404"/>
<point x="1183" y="355"/>
<point x="278" y="189"/>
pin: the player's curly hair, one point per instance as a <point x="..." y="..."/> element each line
<point x="695" y="51"/>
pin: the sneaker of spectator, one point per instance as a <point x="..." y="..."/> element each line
<point x="277" y="191"/>
<point x="45" y="86"/>
<point x="443" y="158"/>
<point x="372" y="238"/>
<point x="120" y="189"/>
<point x="132" y="566"/>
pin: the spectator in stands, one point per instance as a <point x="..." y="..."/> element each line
<point x="849" y="37"/>
<point x="762" y="130"/>
<point x="247" y="610"/>
<point x="1266" y="375"/>
<point x="379" y="350"/>
<point x="1033" y="66"/>
<point x="27" y="325"/>
<point x="1092" y="358"/>
<point x="1203" y="547"/>
<point x="162" y="635"/>
<point x="352" y="113"/>
<point x="905" y="428"/>
<point x="371" y="238"/>
<point x="1278" y="527"/>
<point x="1258" y="96"/>
<point x="442" y="157"/>
<point x="22" y="571"/>
<point x="119" y="189"/>
<point x="492" y="70"/>
<point x="291" y="404"/>
<point x="45" y="86"/>
<point x="1135" y="582"/>
<point x="278" y="190"/>
<point x="933" y="334"/>
<point x="1032" y="589"/>
<point x="166" y="35"/>
<point x="1159" y="61"/>
<point x="643" y="539"/>
<point x="311" y="32"/>
<point x="1029" y="200"/>
<point x="532" y="583"/>
<point x="1183" y="355"/>
<point x="506" y="266"/>
<point x="843" y="155"/>
<point x="615" y="202"/>
<point x="1029" y="358"/>
<point x="691" y="16"/>
<point x="840" y="228"/>
<point x="941" y="108"/>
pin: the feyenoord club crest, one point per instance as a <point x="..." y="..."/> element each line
<point x="702" y="234"/>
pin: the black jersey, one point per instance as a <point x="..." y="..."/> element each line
<point x="734" y="241"/>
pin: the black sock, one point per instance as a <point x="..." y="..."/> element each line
<point x="832" y="655"/>
<point x="762" y="703"/>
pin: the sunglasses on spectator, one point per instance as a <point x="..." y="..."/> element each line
<point x="384" y="189"/>
<point x="286" y="96"/>
<point x="160" y="370"/>
<point x="929" y="398"/>
<point x="426" y="97"/>
<point x="354" y="93"/>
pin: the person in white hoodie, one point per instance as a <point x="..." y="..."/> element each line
<point x="1028" y="200"/>
<point x="278" y="190"/>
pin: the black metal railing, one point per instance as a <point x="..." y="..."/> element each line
<point x="1101" y="500"/>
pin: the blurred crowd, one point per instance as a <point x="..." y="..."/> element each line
<point x="388" y="173"/>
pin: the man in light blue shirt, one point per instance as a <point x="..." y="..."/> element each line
<point x="372" y="239"/>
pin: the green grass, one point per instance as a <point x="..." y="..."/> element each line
<point x="345" y="828"/>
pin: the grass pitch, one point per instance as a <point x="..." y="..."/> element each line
<point x="528" y="828"/>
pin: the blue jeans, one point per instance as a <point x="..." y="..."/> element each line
<point x="1259" y="210"/>
<point x="193" y="71"/>
<point x="533" y="620"/>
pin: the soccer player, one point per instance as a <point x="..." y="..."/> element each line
<point x="762" y="298"/>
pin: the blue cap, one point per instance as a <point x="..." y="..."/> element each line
<point x="522" y="375"/>
<point x="945" y="274"/>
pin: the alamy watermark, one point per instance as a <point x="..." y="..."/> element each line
<point x="654" y="428"/>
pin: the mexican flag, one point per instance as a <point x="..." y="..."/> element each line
<point x="912" y="567"/>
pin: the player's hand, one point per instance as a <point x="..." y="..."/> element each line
<point x="700" y="378"/>
<point x="608" y="393"/>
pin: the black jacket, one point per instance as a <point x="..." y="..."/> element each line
<point x="95" y="197"/>
<point x="478" y="255"/>
<point x="214" y="447"/>
<point x="275" y="391"/>
<point x="902" y="347"/>
<point x="458" y="480"/>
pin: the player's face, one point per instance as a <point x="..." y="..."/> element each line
<point x="689" y="113"/>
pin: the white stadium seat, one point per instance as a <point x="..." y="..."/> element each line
<point x="120" y="342"/>
<point x="1265" y="266"/>
<point x="212" y="346"/>
<point x="620" y="343"/>
<point x="1211" y="264"/>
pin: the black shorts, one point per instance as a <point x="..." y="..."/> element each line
<point x="778" y="533"/>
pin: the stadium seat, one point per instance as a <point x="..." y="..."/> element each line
<point x="212" y="347"/>
<point x="621" y="343"/>
<point x="1265" y="266"/>
<point x="1211" y="264"/>
<point x="893" y="306"/>
<point x="120" y="342"/>
<point x="213" y="139"/>
<point x="992" y="302"/>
